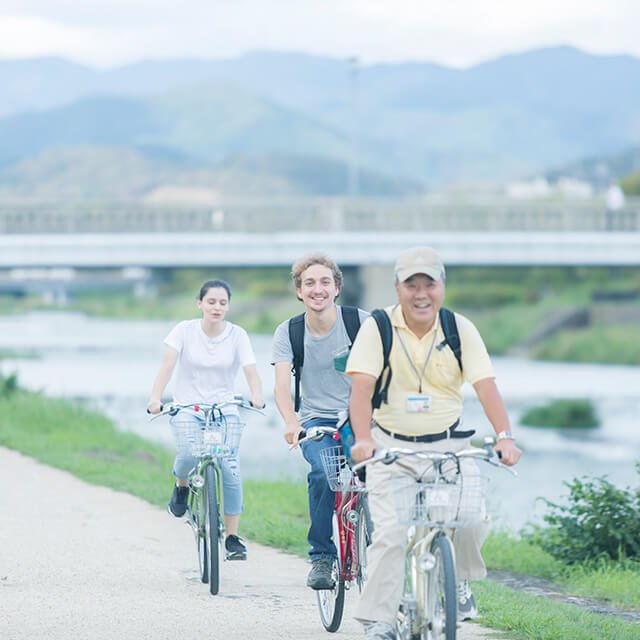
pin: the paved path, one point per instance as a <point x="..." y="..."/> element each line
<point x="80" y="562"/>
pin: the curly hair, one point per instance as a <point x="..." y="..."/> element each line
<point x="309" y="260"/>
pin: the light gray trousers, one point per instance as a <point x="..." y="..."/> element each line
<point x="382" y="592"/>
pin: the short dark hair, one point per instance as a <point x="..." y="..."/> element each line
<point x="214" y="284"/>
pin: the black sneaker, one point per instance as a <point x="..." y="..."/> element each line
<point x="235" y="548"/>
<point x="178" y="503"/>
<point x="321" y="577"/>
<point x="467" y="609"/>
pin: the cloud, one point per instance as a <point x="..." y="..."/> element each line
<point x="459" y="33"/>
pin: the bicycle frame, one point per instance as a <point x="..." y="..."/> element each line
<point x="345" y="509"/>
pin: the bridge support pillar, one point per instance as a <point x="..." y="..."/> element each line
<point x="376" y="286"/>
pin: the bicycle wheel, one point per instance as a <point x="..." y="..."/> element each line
<point x="212" y="529"/>
<point x="441" y="606"/>
<point x="199" y="511"/>
<point x="331" y="601"/>
<point x="364" y="529"/>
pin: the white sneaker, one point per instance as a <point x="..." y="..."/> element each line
<point x="379" y="631"/>
<point x="467" y="609"/>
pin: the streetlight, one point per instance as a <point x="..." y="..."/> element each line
<point x="353" y="177"/>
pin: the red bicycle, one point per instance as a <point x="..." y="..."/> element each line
<point x="352" y="528"/>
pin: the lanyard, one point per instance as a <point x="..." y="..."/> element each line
<point x="419" y="374"/>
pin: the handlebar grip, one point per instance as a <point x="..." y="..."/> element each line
<point x="155" y="414"/>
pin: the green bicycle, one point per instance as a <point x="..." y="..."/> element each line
<point x="203" y="431"/>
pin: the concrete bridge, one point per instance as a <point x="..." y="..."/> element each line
<point x="63" y="248"/>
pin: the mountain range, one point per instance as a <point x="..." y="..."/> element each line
<point x="295" y="123"/>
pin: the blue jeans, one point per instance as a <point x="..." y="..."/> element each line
<point x="321" y="497"/>
<point x="231" y="480"/>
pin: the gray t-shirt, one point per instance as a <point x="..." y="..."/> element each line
<point x="324" y="390"/>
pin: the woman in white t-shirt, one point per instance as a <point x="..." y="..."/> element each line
<point x="209" y="352"/>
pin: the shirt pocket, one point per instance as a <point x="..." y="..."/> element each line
<point x="445" y="370"/>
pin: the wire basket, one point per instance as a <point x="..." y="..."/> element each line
<point x="220" y="439"/>
<point x="339" y="474"/>
<point x="451" y="503"/>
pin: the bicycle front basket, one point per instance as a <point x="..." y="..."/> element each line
<point x="187" y="435"/>
<point x="221" y="439"/>
<point x="338" y="472"/>
<point x="450" y="504"/>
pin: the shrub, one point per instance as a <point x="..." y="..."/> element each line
<point x="8" y="384"/>
<point x="562" y="413"/>
<point x="599" y="521"/>
<point x="631" y="184"/>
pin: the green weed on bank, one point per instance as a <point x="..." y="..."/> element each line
<point x="529" y="617"/>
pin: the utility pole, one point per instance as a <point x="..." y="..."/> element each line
<point x="353" y="177"/>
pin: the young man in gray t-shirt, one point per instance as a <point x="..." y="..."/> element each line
<point x="324" y="392"/>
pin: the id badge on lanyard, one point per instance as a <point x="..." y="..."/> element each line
<point x="418" y="403"/>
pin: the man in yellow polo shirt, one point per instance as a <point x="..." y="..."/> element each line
<point x="424" y="409"/>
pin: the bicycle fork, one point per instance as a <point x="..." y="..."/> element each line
<point x="419" y="562"/>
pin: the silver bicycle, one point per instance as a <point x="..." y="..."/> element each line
<point x="434" y="501"/>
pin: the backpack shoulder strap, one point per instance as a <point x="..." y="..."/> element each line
<point x="296" y="337"/>
<point x="451" y="335"/>
<point x="351" y="319"/>
<point x="381" y="389"/>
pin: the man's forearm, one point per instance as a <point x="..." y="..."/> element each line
<point x="360" y="411"/>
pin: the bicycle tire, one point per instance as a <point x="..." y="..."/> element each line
<point x="212" y="528"/>
<point x="441" y="606"/>
<point x="199" y="511"/>
<point x="331" y="601"/>
<point x="364" y="529"/>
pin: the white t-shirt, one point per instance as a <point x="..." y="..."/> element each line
<point x="207" y="367"/>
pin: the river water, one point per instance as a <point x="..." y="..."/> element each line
<point x="110" y="365"/>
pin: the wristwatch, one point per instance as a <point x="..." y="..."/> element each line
<point x="505" y="435"/>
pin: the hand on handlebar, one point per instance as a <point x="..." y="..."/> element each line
<point x="154" y="407"/>
<point x="291" y="434"/>
<point x="508" y="451"/>
<point x="362" y="450"/>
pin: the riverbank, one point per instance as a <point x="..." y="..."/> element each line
<point x="86" y="444"/>
<point x="510" y="306"/>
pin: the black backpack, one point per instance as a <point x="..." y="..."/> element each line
<point x="351" y="319"/>
<point x="451" y="338"/>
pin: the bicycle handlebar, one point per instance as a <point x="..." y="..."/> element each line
<point x="389" y="456"/>
<point x="316" y="433"/>
<point x="173" y="407"/>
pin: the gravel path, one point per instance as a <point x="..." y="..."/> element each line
<point x="84" y="562"/>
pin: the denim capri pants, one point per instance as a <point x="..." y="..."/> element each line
<point x="185" y="462"/>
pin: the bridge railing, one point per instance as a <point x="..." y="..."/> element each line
<point x="321" y="214"/>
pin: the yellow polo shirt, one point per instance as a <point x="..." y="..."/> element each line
<point x="441" y="381"/>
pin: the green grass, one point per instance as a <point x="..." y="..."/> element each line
<point x="616" y="583"/>
<point x="611" y="344"/>
<point x="529" y="617"/>
<point x="504" y="552"/>
<point x="567" y="413"/>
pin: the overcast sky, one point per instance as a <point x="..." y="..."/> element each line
<point x="453" y="32"/>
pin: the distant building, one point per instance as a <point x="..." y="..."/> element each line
<point x="527" y="189"/>
<point x="573" y="188"/>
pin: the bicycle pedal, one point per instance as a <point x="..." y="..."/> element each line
<point x="236" y="556"/>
